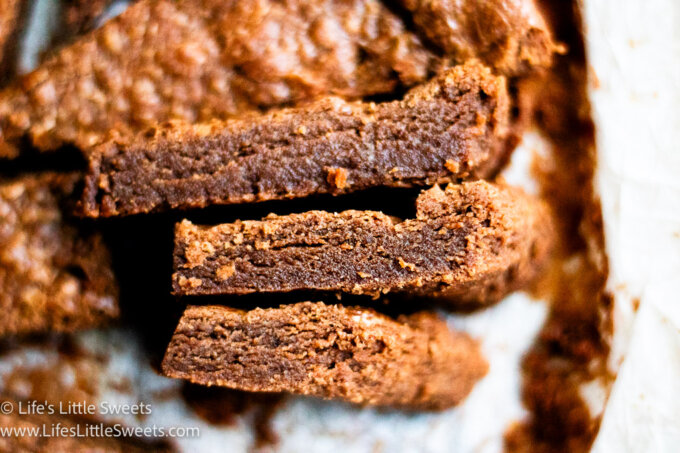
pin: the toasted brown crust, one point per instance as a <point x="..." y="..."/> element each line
<point x="54" y="276"/>
<point x="451" y="127"/>
<point x="469" y="245"/>
<point x="329" y="351"/>
<point x="196" y="60"/>
<point x="509" y="35"/>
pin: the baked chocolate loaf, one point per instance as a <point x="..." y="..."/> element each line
<point x="197" y="60"/>
<point x="454" y="126"/>
<point x="54" y="275"/>
<point x="470" y="244"/>
<point x="331" y="351"/>
<point x="509" y="35"/>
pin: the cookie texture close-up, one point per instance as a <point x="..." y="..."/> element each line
<point x="197" y="60"/>
<point x="511" y="36"/>
<point x="454" y="126"/>
<point x="469" y="244"/>
<point x="339" y="226"/>
<point x="54" y="274"/>
<point x="329" y="351"/>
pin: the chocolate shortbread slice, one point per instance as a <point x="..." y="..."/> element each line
<point x="452" y="127"/>
<point x="196" y="60"/>
<point x="469" y="244"/>
<point x="55" y="276"/>
<point x="509" y="35"/>
<point x="330" y="351"/>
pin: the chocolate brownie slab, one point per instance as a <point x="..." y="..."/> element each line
<point x="469" y="244"/>
<point x="197" y="60"/>
<point x="331" y="351"/>
<point x="509" y="35"/>
<point x="54" y="275"/>
<point x="454" y="126"/>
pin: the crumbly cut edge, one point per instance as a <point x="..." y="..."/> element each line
<point x="182" y="165"/>
<point x="329" y="351"/>
<point x="509" y="240"/>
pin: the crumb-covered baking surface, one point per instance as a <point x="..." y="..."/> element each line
<point x="572" y="348"/>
